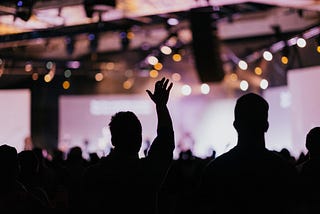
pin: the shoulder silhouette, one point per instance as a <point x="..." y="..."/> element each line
<point x="310" y="173"/>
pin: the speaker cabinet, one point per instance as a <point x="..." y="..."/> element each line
<point x="206" y="45"/>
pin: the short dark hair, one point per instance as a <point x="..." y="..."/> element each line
<point x="125" y="127"/>
<point x="9" y="160"/>
<point x="251" y="111"/>
<point x="313" y="140"/>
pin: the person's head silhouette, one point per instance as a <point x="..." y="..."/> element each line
<point x="9" y="165"/>
<point x="126" y="132"/>
<point x="313" y="141"/>
<point x="251" y="118"/>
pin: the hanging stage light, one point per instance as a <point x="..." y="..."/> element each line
<point x="93" y="39"/>
<point x="125" y="39"/>
<point x="70" y="45"/>
<point x="24" y="9"/>
<point x="91" y="6"/>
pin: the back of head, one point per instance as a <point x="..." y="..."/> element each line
<point x="8" y="161"/>
<point x="126" y="132"/>
<point x="28" y="161"/>
<point x="313" y="141"/>
<point x="75" y="154"/>
<point x="57" y="155"/>
<point x="251" y="114"/>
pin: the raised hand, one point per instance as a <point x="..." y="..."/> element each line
<point x="161" y="92"/>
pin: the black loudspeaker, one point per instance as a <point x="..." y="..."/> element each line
<point x="206" y="45"/>
<point x="90" y="4"/>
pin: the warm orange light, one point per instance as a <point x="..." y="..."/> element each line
<point x="98" y="77"/>
<point x="47" y="78"/>
<point x="66" y="84"/>
<point x="35" y="76"/>
<point x="258" y="71"/>
<point x="234" y="77"/>
<point x="130" y="35"/>
<point x="153" y="73"/>
<point x="158" y="66"/>
<point x="284" y="60"/>
<point x="110" y="66"/>
<point x="127" y="84"/>
<point x="176" y="57"/>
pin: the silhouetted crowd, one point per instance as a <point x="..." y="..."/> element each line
<point x="248" y="178"/>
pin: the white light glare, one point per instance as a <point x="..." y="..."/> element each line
<point x="301" y="42"/>
<point x="244" y="85"/>
<point x="205" y="88"/>
<point x="285" y="99"/>
<point x="166" y="50"/>
<point x="186" y="90"/>
<point x="172" y="21"/>
<point x="264" y="84"/>
<point x="267" y="55"/>
<point x="243" y="65"/>
<point x="152" y="60"/>
<point x="176" y="77"/>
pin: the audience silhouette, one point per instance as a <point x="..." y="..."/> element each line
<point x="29" y="176"/>
<point x="14" y="196"/>
<point x="122" y="182"/>
<point x="249" y="178"/>
<point x="75" y="166"/>
<point x="310" y="173"/>
<point x="180" y="186"/>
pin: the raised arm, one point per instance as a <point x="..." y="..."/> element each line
<point x="160" y="97"/>
<point x="164" y="143"/>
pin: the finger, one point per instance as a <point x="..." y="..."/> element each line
<point x="169" y="88"/>
<point x="159" y="83"/>
<point x="162" y="80"/>
<point x="150" y="94"/>
<point x="165" y="83"/>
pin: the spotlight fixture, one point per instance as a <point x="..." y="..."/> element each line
<point x="318" y="43"/>
<point x="24" y="9"/>
<point x="318" y="40"/>
<point x="93" y="38"/>
<point x="285" y="55"/>
<point x="92" y="6"/>
<point x="70" y="45"/>
<point x="125" y="39"/>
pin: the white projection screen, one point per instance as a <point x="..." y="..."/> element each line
<point x="305" y="103"/>
<point x="15" y="117"/>
<point x="279" y="134"/>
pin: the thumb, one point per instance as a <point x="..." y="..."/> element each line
<point x="150" y="94"/>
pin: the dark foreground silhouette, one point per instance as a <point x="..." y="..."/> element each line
<point x="122" y="182"/>
<point x="310" y="173"/>
<point x="249" y="178"/>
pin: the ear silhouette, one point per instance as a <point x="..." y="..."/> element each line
<point x="236" y="125"/>
<point x="266" y="127"/>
